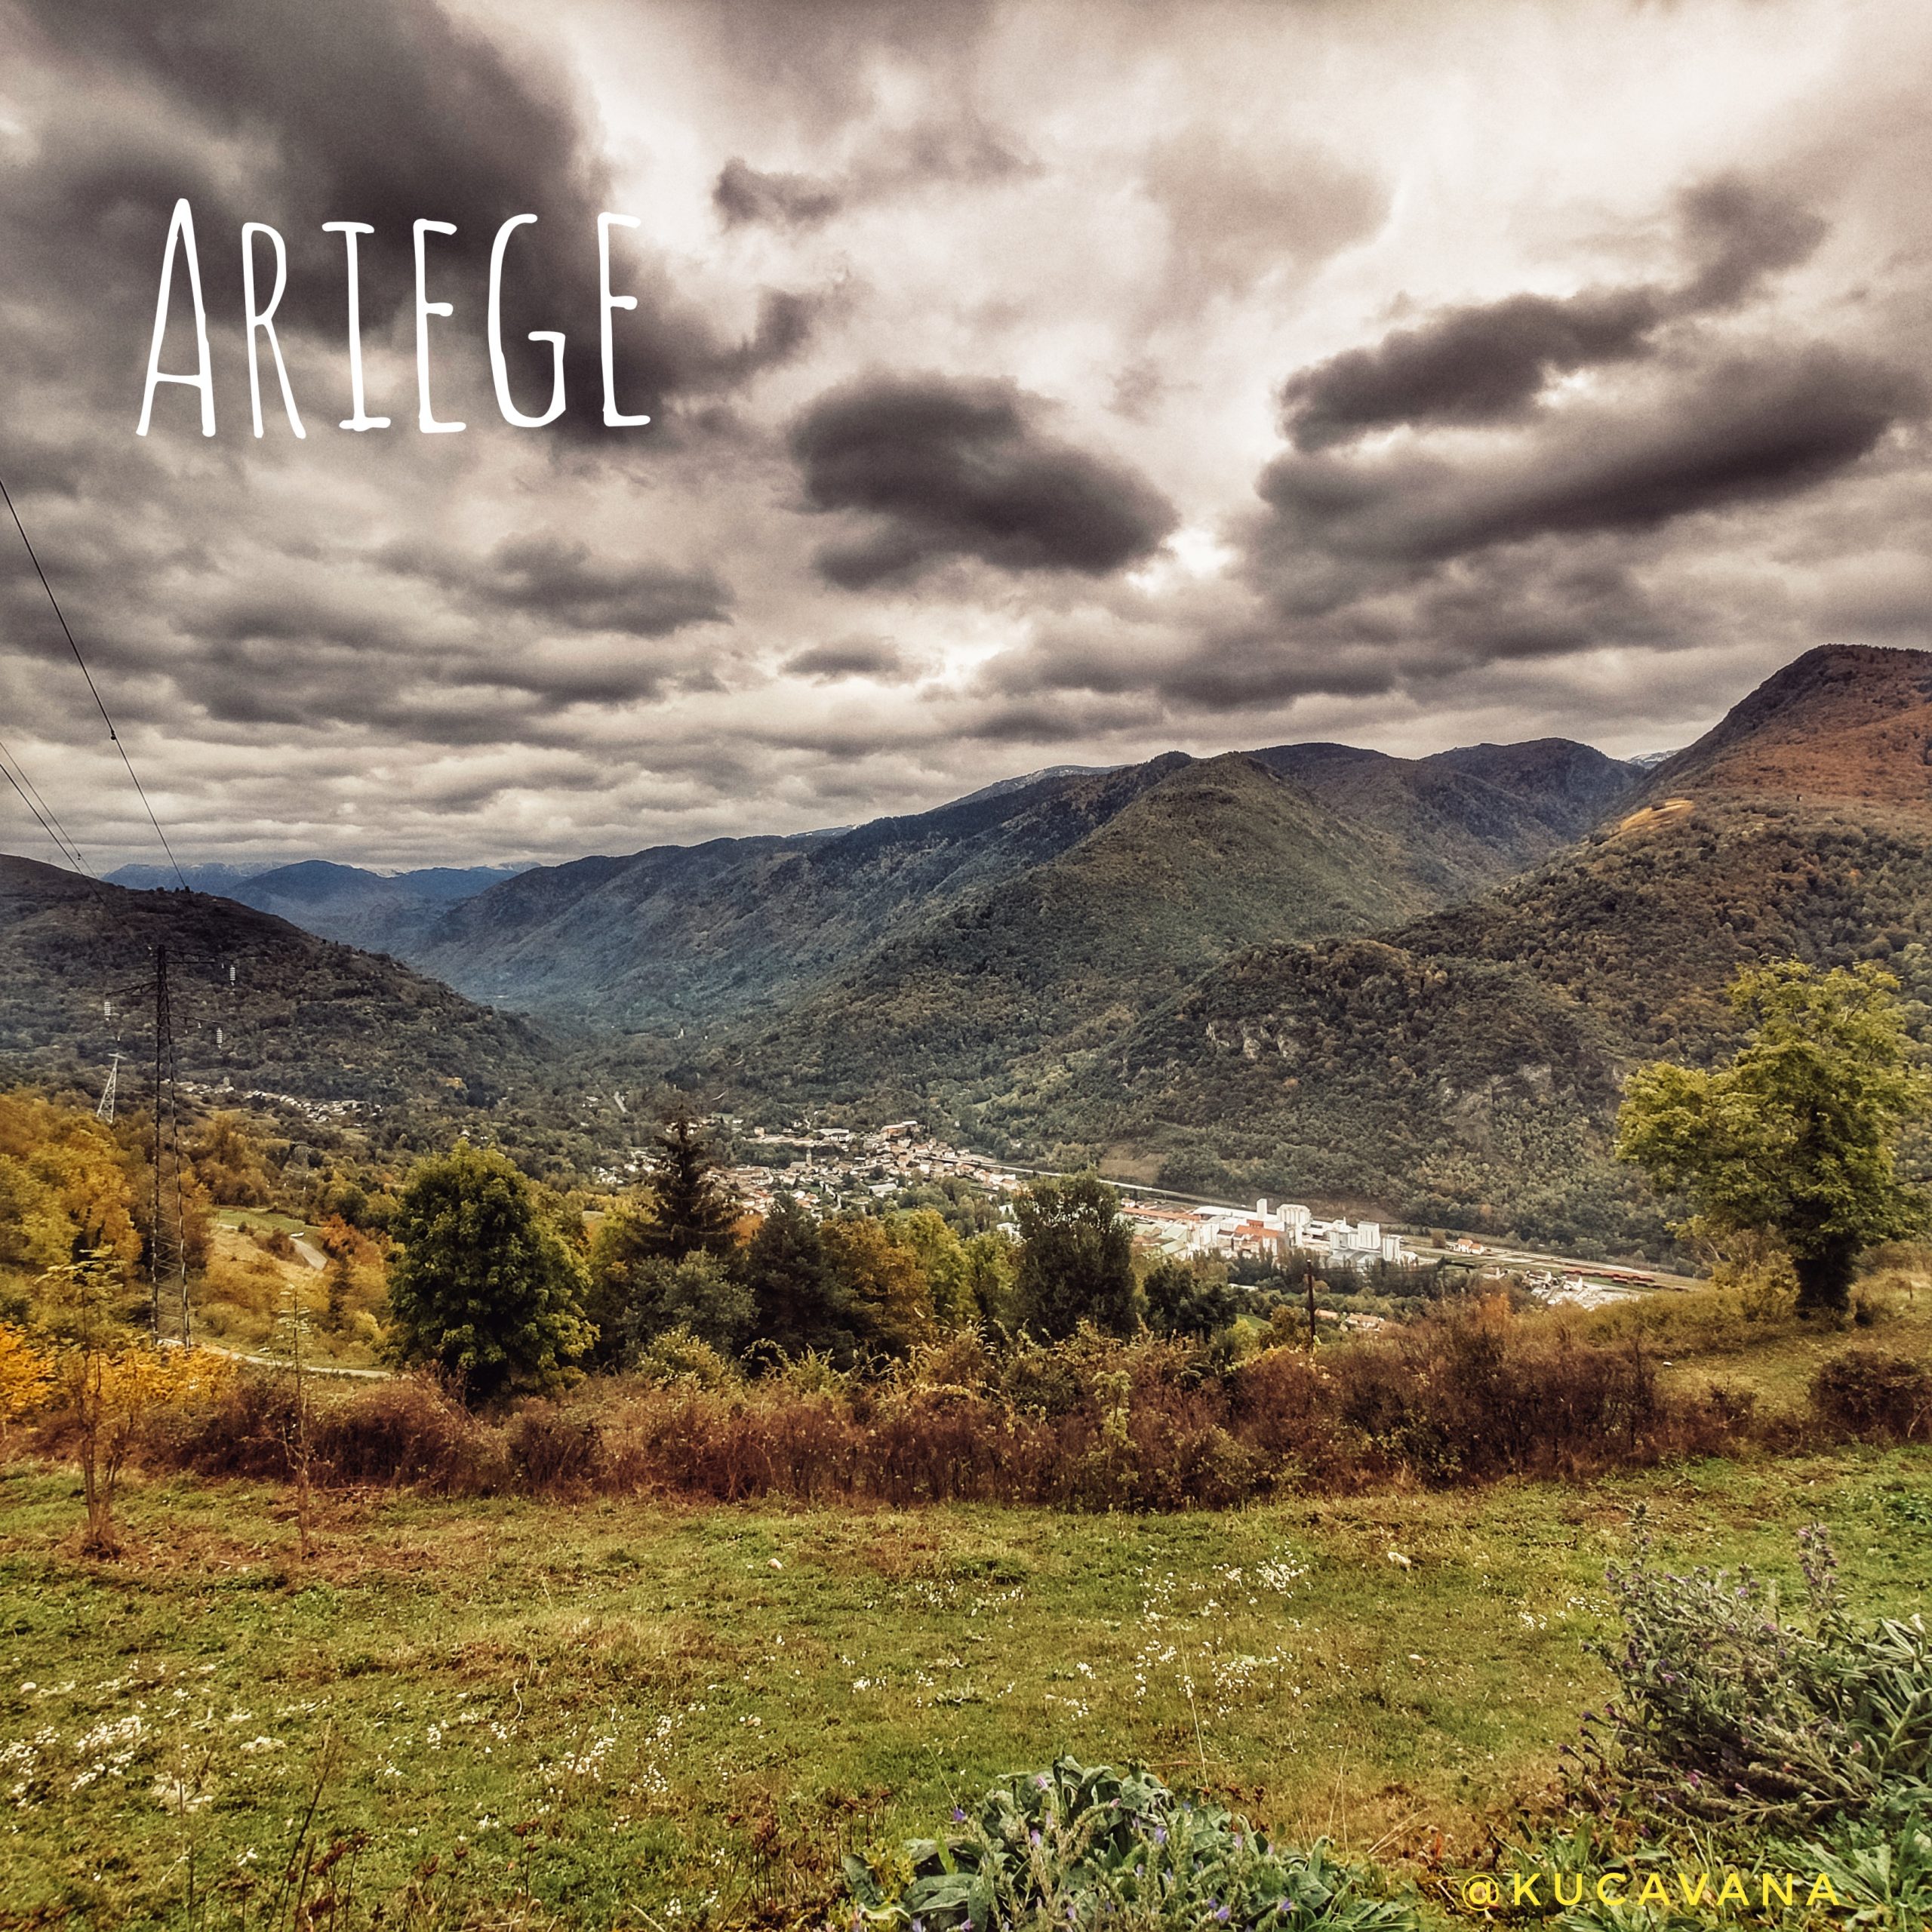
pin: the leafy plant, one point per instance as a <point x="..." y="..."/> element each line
<point x="1079" y="1847"/>
<point x="1730" y="1712"/>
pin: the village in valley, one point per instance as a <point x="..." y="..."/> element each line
<point x="832" y="1169"/>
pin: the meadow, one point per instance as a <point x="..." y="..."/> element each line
<point x="624" y="1711"/>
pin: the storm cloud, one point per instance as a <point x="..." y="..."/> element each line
<point x="1034" y="382"/>
<point x="947" y="468"/>
<point x="1490" y="362"/>
<point x="1744" y="429"/>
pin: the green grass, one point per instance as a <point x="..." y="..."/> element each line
<point x="262" y="1217"/>
<point x="625" y="1707"/>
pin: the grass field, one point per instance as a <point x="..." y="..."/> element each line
<point x="640" y="1713"/>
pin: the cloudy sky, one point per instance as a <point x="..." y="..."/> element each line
<point x="1030" y="384"/>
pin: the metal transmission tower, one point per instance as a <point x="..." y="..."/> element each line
<point x="167" y="1149"/>
<point x="106" y="1110"/>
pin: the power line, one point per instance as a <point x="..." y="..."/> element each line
<point x="114" y="736"/>
<point x="72" y="857"/>
<point x="50" y="823"/>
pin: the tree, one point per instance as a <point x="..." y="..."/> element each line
<point x="691" y="1208"/>
<point x="480" y="1288"/>
<point x="1076" y="1258"/>
<point x="791" y="1282"/>
<point x="879" y="1290"/>
<point x="699" y="1294"/>
<point x="1183" y="1299"/>
<point x="64" y="1192"/>
<point x="943" y="1259"/>
<point x="1796" y="1137"/>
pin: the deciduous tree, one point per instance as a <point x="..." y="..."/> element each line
<point x="480" y="1288"/>
<point x="1076" y="1258"/>
<point x="1796" y="1135"/>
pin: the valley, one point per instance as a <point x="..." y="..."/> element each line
<point x="1307" y="971"/>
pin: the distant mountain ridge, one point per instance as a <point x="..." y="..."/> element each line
<point x="257" y="1002"/>
<point x="711" y="933"/>
<point x="379" y="911"/>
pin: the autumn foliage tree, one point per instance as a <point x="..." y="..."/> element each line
<point x="1795" y="1138"/>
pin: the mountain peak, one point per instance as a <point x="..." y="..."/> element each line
<point x="1846" y="721"/>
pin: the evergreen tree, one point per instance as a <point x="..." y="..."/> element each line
<point x="480" y="1288"/>
<point x="1076" y="1258"/>
<point x="691" y="1210"/>
<point x="699" y="1294"/>
<point x="791" y="1282"/>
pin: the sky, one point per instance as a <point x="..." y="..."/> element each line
<point x="1029" y="384"/>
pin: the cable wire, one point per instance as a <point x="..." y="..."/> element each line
<point x="50" y="823"/>
<point x="114" y="736"/>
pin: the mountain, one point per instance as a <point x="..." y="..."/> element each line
<point x="213" y="877"/>
<point x="1464" y="818"/>
<point x="256" y="1001"/>
<point x="1463" y="1067"/>
<point x="1844" y="722"/>
<point x="704" y="933"/>
<point x="1218" y="854"/>
<point x="716" y="935"/>
<point x="381" y="913"/>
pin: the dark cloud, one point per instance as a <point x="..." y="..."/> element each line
<point x="1746" y="429"/>
<point x="559" y="583"/>
<point x="950" y="469"/>
<point x="1480" y="364"/>
<point x="856" y="658"/>
<point x="743" y="195"/>
<point x="1490" y="362"/>
<point x="1740" y="233"/>
<point x="960" y="151"/>
<point x="384" y="112"/>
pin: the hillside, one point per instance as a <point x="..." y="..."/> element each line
<point x="1455" y="1067"/>
<point x="1219" y="854"/>
<point x="1464" y="1067"/>
<point x="715" y="935"/>
<point x="1844" y="722"/>
<point x="303" y="1016"/>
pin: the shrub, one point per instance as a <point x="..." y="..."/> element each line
<point x="1875" y="1395"/>
<point x="678" y="1355"/>
<point x="1081" y="1848"/>
<point x="1728" y="1711"/>
<point x="552" y="1454"/>
<point x="407" y="1430"/>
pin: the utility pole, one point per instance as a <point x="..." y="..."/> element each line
<point x="161" y="1030"/>
<point x="167" y="1139"/>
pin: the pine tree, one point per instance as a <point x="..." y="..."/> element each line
<point x="692" y="1210"/>
<point x="790" y="1279"/>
